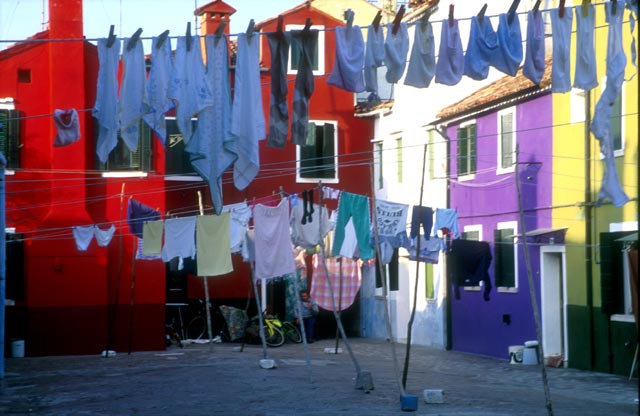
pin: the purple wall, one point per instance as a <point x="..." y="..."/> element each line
<point x="490" y="198"/>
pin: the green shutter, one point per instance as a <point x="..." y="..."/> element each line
<point x="428" y="274"/>
<point x="394" y="267"/>
<point x="462" y="152"/>
<point x="504" y="257"/>
<point x="328" y="152"/>
<point x="611" y="273"/>
<point x="497" y="259"/>
<point x="616" y="123"/>
<point x="10" y="137"/>
<point x="506" y="140"/>
<point x="472" y="149"/>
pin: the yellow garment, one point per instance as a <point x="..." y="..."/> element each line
<point x="152" y="235"/>
<point x="213" y="247"/>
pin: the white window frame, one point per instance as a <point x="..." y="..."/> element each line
<point x="514" y="226"/>
<point x="500" y="169"/>
<point x="576" y="105"/>
<point x="8" y="104"/>
<point x="469" y="176"/>
<point x="300" y="179"/>
<point x="626" y="317"/>
<point x="320" y="49"/>
<point x="471" y="228"/>
<point x="378" y="164"/>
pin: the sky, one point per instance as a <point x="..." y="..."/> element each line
<point x="20" y="19"/>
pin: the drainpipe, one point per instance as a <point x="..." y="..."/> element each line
<point x="442" y="131"/>
<point x="588" y="206"/>
<point x="3" y="163"/>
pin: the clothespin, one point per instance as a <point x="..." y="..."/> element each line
<point x="200" y="206"/>
<point x="536" y="7"/>
<point x="349" y="15"/>
<point x="219" y="32"/>
<point x="451" y="15"/>
<point x="112" y="37"/>
<point x="376" y="20"/>
<point x="397" y="20"/>
<point x="279" y="27"/>
<point x="614" y="7"/>
<point x="162" y="39"/>
<point x="188" y="36"/>
<point x="134" y="39"/>
<point x="585" y="8"/>
<point x="481" y="13"/>
<point x="512" y="10"/>
<point x="251" y="28"/>
<point x="561" y="9"/>
<point x="307" y="25"/>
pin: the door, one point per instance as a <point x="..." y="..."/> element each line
<point x="553" y="317"/>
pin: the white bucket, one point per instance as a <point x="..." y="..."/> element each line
<point x="17" y="348"/>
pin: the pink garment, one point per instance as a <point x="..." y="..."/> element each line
<point x="351" y="279"/>
<point x="67" y="126"/>
<point x="273" y="246"/>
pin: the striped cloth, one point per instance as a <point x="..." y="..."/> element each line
<point x="351" y="279"/>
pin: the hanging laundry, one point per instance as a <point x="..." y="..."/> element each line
<point x="534" y="60"/>
<point x="279" y="43"/>
<point x="133" y="101"/>
<point x="349" y="246"/>
<point x="273" y="246"/>
<point x="140" y="251"/>
<point x="158" y="100"/>
<point x="179" y="239"/>
<point x="291" y="294"/>
<point x="396" y="48"/>
<point x="585" y="76"/>
<point x="103" y="237"/>
<point x="67" y="127"/>
<point x="247" y="117"/>
<point x="344" y="277"/>
<point x="213" y="249"/>
<point x="422" y="62"/>
<point x="213" y="149"/>
<point x="305" y="84"/>
<point x="330" y="193"/>
<point x="421" y="216"/>
<point x="469" y="265"/>
<point x="240" y="216"/>
<point x="450" y="64"/>
<point x="392" y="227"/>
<point x="561" y="35"/>
<point x="447" y="218"/>
<point x="429" y="249"/>
<point x="356" y="207"/>
<point x="483" y="49"/>
<point x="137" y="214"/>
<point x="349" y="60"/>
<point x="249" y="247"/>
<point x="83" y="236"/>
<point x="152" y="232"/>
<point x="307" y="207"/>
<point x="510" y="45"/>
<point x="601" y="124"/>
<point x="105" y="109"/>
<point x="188" y="86"/>
<point x="373" y="59"/>
<point x="309" y="234"/>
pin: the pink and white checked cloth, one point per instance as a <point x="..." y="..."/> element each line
<point x="351" y="279"/>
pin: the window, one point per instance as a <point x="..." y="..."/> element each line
<point x="121" y="158"/>
<point x="10" y="137"/>
<point x="431" y="154"/>
<point x="24" y="76"/>
<point x="399" y="159"/>
<point x="318" y="159"/>
<point x="505" y="256"/>
<point x="176" y="158"/>
<point x="428" y="281"/>
<point x="506" y="140"/>
<point x="294" y="50"/>
<point x="392" y="271"/>
<point x="377" y="163"/>
<point x="474" y="233"/>
<point x="616" y="127"/>
<point x="15" y="266"/>
<point x="467" y="149"/>
<point x="577" y="103"/>
<point x="614" y="278"/>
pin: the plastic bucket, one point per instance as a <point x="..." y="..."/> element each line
<point x="17" y="348"/>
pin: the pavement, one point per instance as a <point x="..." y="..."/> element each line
<point x="218" y="379"/>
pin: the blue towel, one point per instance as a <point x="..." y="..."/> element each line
<point x="482" y="49"/>
<point x="450" y="65"/>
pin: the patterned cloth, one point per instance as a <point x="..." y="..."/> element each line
<point x="351" y="279"/>
<point x="236" y="320"/>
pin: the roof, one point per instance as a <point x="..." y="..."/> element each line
<point x="306" y="5"/>
<point x="217" y="6"/>
<point x="500" y="91"/>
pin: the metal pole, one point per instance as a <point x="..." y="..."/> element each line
<point x="3" y="259"/>
<point x="532" y="292"/>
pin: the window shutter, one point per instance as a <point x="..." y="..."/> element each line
<point x="497" y="261"/>
<point x="616" y="123"/>
<point x="472" y="148"/>
<point x="10" y="137"/>
<point x="328" y="151"/>
<point x="611" y="273"/>
<point x="462" y="151"/>
<point x="393" y="271"/>
<point x="504" y="250"/>
<point x="506" y="140"/>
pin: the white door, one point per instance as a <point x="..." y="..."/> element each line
<point x="552" y="285"/>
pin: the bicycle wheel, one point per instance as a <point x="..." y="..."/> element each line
<point x="196" y="328"/>
<point x="273" y="336"/>
<point x="291" y="332"/>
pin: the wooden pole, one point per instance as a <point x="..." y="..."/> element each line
<point x="339" y="303"/>
<point x="385" y="292"/>
<point x="112" y="315"/>
<point x="206" y="284"/>
<point x="132" y="292"/>
<point x="532" y="292"/>
<point x="405" y="370"/>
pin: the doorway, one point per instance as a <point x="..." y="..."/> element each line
<point x="553" y="287"/>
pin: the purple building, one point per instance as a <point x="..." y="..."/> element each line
<point x="504" y="126"/>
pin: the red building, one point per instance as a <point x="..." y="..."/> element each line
<point x="64" y="301"/>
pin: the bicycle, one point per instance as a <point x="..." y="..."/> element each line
<point x="197" y="329"/>
<point x="276" y="332"/>
<point x="171" y="335"/>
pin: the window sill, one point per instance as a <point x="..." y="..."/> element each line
<point x="124" y="174"/>
<point x="502" y="171"/>
<point x="618" y="153"/>
<point x="9" y="172"/>
<point x="507" y="290"/>
<point x="311" y="180"/>
<point x="623" y="318"/>
<point x="468" y="177"/>
<point x="186" y="178"/>
<point x="472" y="288"/>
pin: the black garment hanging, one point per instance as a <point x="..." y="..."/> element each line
<point x="469" y="263"/>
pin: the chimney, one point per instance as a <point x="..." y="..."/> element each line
<point x="212" y="14"/>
